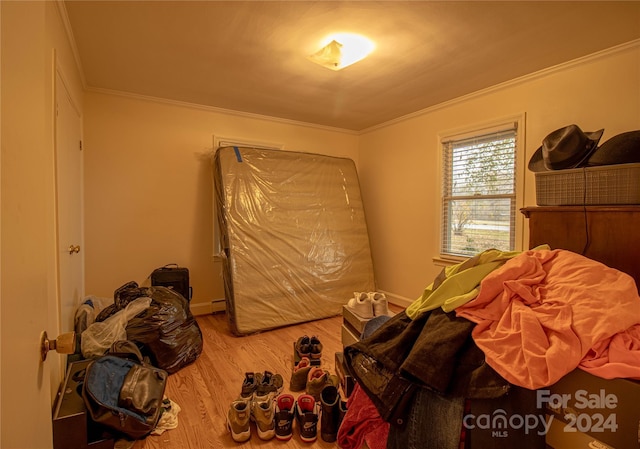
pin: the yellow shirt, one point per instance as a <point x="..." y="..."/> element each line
<point x="458" y="284"/>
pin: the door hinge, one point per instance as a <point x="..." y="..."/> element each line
<point x="81" y="145"/>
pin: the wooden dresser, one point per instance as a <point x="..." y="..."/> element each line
<point x="608" y="234"/>
<point x="611" y="235"/>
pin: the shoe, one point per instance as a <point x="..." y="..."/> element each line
<point x="299" y="375"/>
<point x="238" y="420"/>
<point x="315" y="348"/>
<point x="307" y="411"/>
<point x="318" y="379"/>
<point x="379" y="303"/>
<point x="330" y="416"/>
<point x="284" y="413"/>
<point x="250" y="384"/>
<point x="270" y="384"/>
<point x="263" y="414"/>
<point x="360" y="295"/>
<point x="303" y="347"/>
<point x="361" y="305"/>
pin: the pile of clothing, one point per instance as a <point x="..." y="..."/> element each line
<point x="483" y="337"/>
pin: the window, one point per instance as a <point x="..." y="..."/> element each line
<point x="479" y="191"/>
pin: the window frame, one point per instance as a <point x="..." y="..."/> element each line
<point x="481" y="129"/>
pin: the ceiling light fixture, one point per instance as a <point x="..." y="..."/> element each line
<point x="341" y="50"/>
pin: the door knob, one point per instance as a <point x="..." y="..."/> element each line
<point x="64" y="344"/>
<point x="74" y="249"/>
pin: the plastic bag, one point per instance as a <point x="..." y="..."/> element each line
<point x="88" y="311"/>
<point x="118" y="302"/>
<point x="99" y="336"/>
<point x="167" y="331"/>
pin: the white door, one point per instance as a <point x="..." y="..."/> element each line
<point x="69" y="212"/>
<point x="28" y="265"/>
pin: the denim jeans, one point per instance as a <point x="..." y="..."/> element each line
<point x="433" y="422"/>
<point x="372" y="325"/>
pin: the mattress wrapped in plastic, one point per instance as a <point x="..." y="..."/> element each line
<point x="294" y="239"/>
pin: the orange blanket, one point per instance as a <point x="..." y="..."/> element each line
<point x="618" y="356"/>
<point x="541" y="313"/>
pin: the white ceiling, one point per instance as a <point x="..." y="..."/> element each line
<point x="251" y="56"/>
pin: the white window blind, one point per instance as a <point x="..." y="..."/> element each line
<point x="479" y="192"/>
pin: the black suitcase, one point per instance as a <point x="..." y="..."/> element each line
<point x="173" y="276"/>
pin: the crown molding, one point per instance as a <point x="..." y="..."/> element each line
<point x="207" y="108"/>
<point x="514" y="82"/>
<point x="62" y="11"/>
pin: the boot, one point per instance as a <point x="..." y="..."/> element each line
<point x="299" y="375"/>
<point x="318" y="379"/>
<point x="342" y="410"/>
<point x="329" y="423"/>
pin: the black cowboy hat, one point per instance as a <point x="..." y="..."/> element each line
<point x="567" y="147"/>
<point x="621" y="149"/>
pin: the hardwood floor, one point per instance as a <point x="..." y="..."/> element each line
<point x="205" y="389"/>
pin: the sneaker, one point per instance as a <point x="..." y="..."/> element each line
<point x="238" y="420"/>
<point x="302" y="346"/>
<point x="315" y="347"/>
<point x="360" y="295"/>
<point x="380" y="304"/>
<point x="263" y="414"/>
<point x="299" y="375"/>
<point x="284" y="413"/>
<point x="361" y="305"/>
<point x="307" y="411"/>
<point x="269" y="384"/>
<point x="250" y="384"/>
<point x="317" y="379"/>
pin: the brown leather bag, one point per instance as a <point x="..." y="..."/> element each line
<point x="124" y="393"/>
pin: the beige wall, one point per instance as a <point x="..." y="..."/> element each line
<point x="399" y="163"/>
<point x="148" y="188"/>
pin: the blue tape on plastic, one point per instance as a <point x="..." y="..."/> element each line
<point x="238" y="155"/>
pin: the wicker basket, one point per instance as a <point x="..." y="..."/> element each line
<point x="609" y="184"/>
